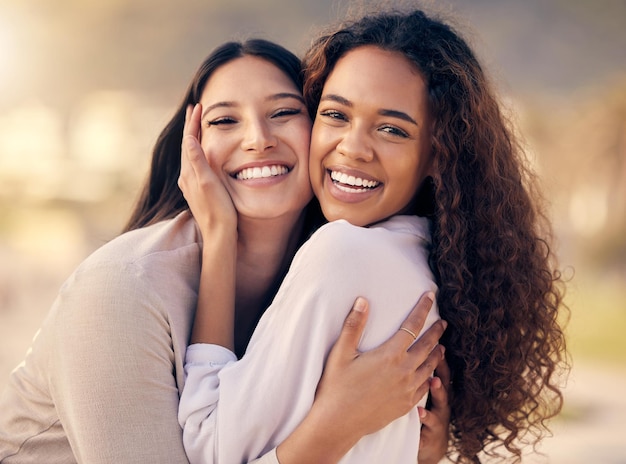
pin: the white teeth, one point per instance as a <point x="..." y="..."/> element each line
<point x="343" y="178"/>
<point x="261" y="172"/>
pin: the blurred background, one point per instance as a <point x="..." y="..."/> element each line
<point x="85" y="88"/>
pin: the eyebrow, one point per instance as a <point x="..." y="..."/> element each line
<point x="274" y="97"/>
<point x="383" y="112"/>
<point x="281" y="95"/>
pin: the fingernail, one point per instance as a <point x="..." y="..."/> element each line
<point x="431" y="296"/>
<point x="445" y="324"/>
<point x="421" y="411"/>
<point x="359" y="305"/>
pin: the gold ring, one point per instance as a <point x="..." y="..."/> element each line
<point x="409" y="332"/>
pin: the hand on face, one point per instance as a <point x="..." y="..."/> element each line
<point x="255" y="131"/>
<point x="207" y="197"/>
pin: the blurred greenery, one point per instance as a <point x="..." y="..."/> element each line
<point x="597" y="329"/>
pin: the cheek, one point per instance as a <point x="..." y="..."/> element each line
<point x="318" y="148"/>
<point x="304" y="143"/>
<point x="407" y="173"/>
<point x="217" y="147"/>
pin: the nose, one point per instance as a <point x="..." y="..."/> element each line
<point x="355" y="144"/>
<point x="258" y="137"/>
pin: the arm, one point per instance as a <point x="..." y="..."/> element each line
<point x="110" y="371"/>
<point x="214" y="319"/>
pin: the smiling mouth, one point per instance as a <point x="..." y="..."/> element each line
<point x="261" y="172"/>
<point x="352" y="184"/>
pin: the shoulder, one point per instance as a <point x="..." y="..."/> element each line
<point x="341" y="245"/>
<point x="396" y="232"/>
<point x="171" y="236"/>
<point x="144" y="268"/>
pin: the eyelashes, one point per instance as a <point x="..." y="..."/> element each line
<point x="336" y="118"/>
<point x="283" y="113"/>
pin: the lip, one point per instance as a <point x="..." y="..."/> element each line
<point x="350" y="191"/>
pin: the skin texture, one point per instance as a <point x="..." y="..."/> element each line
<point x="381" y="137"/>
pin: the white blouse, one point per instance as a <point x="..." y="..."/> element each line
<point x="235" y="411"/>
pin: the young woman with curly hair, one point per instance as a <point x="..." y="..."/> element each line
<point x="498" y="288"/>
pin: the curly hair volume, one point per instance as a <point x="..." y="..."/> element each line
<point x="498" y="287"/>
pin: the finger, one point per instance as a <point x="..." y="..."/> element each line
<point x="426" y="343"/>
<point x="430" y="427"/>
<point x="426" y="418"/>
<point x="439" y="398"/>
<point x="423" y="373"/>
<point x="348" y="342"/>
<point x="192" y="120"/>
<point x="431" y="423"/>
<point x="443" y="372"/>
<point x="191" y="149"/>
<point x="414" y="322"/>
<point x="184" y="166"/>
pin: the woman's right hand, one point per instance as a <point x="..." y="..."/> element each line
<point x="360" y="393"/>
<point x="215" y="214"/>
<point x="205" y="193"/>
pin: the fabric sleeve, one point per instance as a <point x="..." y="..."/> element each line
<point x="198" y="401"/>
<point x="199" y="398"/>
<point x="112" y="368"/>
<point x="253" y="404"/>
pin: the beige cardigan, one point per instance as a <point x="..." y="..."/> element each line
<point x="101" y="381"/>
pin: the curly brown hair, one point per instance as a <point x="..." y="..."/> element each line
<point x="499" y="289"/>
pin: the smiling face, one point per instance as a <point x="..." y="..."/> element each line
<point x="255" y="134"/>
<point x="370" y="147"/>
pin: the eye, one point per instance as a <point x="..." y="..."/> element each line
<point x="333" y="114"/>
<point x="393" y="130"/>
<point x="225" y="120"/>
<point x="284" y="112"/>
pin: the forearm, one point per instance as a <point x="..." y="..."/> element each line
<point x="111" y="371"/>
<point x="214" y="319"/>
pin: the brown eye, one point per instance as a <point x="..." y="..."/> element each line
<point x="393" y="130"/>
<point x="332" y="114"/>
